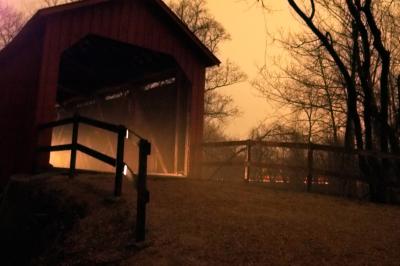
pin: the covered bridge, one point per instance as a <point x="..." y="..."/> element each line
<point x="130" y="62"/>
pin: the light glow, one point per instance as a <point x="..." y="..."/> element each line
<point x="125" y="170"/>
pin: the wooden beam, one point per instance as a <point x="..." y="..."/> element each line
<point x="65" y="147"/>
<point x="74" y="146"/>
<point x="188" y="88"/>
<point x="98" y="155"/>
<point x="178" y="121"/>
<point x="101" y="93"/>
<point x="301" y="146"/>
<point x="119" y="162"/>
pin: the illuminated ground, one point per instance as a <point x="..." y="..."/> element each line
<point x="210" y="223"/>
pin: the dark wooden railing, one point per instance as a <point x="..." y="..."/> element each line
<point x="117" y="162"/>
<point x="309" y="167"/>
<point x="143" y="195"/>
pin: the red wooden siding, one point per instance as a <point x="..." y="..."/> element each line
<point x="31" y="93"/>
<point x="18" y="79"/>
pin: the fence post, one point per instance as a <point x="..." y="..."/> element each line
<point x="248" y="161"/>
<point x="310" y="167"/>
<point x="74" y="145"/>
<point x="119" y="167"/>
<point x="143" y="196"/>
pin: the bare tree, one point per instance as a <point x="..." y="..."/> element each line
<point x="11" y="22"/>
<point x="219" y="107"/>
<point x="361" y="44"/>
<point x="195" y="15"/>
<point x="306" y="89"/>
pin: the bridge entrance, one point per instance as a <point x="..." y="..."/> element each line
<point x="120" y="83"/>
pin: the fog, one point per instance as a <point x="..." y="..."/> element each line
<point x="149" y="111"/>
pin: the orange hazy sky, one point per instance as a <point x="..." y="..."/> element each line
<point x="252" y="30"/>
<point x="250" y="48"/>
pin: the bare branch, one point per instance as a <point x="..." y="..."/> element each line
<point x="11" y="22"/>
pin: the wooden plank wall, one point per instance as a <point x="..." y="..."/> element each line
<point x="19" y="78"/>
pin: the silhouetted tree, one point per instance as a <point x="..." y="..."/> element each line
<point x="361" y="39"/>
<point x="308" y="88"/>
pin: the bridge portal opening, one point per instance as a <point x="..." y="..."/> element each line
<point x="120" y="83"/>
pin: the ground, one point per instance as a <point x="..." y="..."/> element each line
<point x="193" y="222"/>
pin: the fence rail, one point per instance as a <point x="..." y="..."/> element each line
<point x="76" y="120"/>
<point x="143" y="195"/>
<point x="300" y="145"/>
<point x="309" y="165"/>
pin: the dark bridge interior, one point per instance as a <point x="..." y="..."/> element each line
<point x="123" y="84"/>
<point x="95" y="64"/>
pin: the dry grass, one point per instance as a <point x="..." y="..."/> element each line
<point x="209" y="223"/>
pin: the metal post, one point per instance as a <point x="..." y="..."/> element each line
<point x="119" y="167"/>
<point x="75" y="130"/>
<point x="143" y="195"/>
<point x="248" y="162"/>
<point x="310" y="158"/>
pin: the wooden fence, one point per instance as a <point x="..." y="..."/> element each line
<point x="143" y="196"/>
<point x="310" y="167"/>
